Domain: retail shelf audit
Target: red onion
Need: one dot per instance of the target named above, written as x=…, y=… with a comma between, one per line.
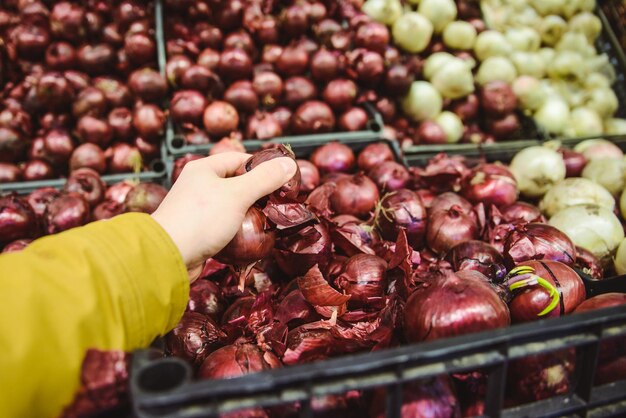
x=356, y=195
x=107, y=210
x=123, y=158
x=178, y=64
x=65, y=212
x=57, y=146
x=86, y=182
x=283, y=117
x=325, y=29
x=140, y=48
x=402, y=209
x=90, y=101
x=16, y=246
x=120, y=120
x=197, y=77
x=267, y=31
x=558, y=293
x=446, y=200
x=94, y=130
x=149, y=121
x=17, y=219
x=240, y=39
x=504, y=127
x=96, y=59
x=491, y=184
x=241, y=307
x=241, y=94
x=251, y=243
x=293, y=61
x=187, y=106
x=333, y=157
x=427, y=398
x=54, y=92
x=294, y=20
x=373, y=155
x=466, y=108
x=575, y=162
x=426, y=196
x=537, y=241
x=208, y=36
x=387, y=109
x=180, y=163
x=148, y=150
x=589, y=263
x=229, y=15
x=117, y=94
x=389, y=176
x=295, y=254
x=148, y=85
x=197, y=137
x=373, y=36
x=145, y=197
x=447, y=228
x=298, y=90
x=353, y=237
x=369, y=67
x=271, y=53
x=497, y=98
x=112, y=36
x=541, y=376
x=313, y=117
x=237, y=360
x=227, y=144
x=290, y=189
x=31, y=41
x=118, y=191
x=194, y=338
x=340, y=93
x=310, y=176
x=67, y=21
x=324, y=65
x=10, y=173
x=521, y=211
x=220, y=118
x=364, y=279
x=39, y=199
x=207, y=298
x=37, y=170
x=398, y=79
x=263, y=125
x=17, y=120
x=61, y=56
x=235, y=64
x=429, y=315
x=268, y=86
x=430, y=132
x=479, y=256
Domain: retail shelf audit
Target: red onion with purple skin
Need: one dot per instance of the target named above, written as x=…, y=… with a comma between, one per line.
x=122, y=158
x=355, y=195
x=575, y=162
x=541, y=376
x=207, y=298
x=537, y=241
x=398, y=79
x=268, y=86
x=297, y=253
x=310, y=176
x=504, y=127
x=118, y=191
x=199, y=78
x=148, y=84
x=87, y=183
x=17, y=219
x=227, y=144
x=271, y=53
x=325, y=65
x=530, y=301
x=333, y=157
x=466, y=108
x=121, y=122
x=37, y=170
x=313, y=117
x=39, y=199
x=374, y=155
x=364, y=279
x=340, y=93
x=251, y=243
x=140, y=48
x=90, y=101
x=373, y=36
x=94, y=130
x=282, y=115
x=387, y=109
x=16, y=246
x=447, y=228
x=589, y=264
x=402, y=209
x=178, y=64
x=220, y=118
x=389, y=176
x=196, y=137
x=60, y=56
x=369, y=67
x=107, y=210
x=187, y=106
x=145, y=197
x=57, y=146
x=96, y=59
x=237, y=360
x=10, y=173
x=149, y=121
x=263, y=126
x=294, y=20
x=209, y=36
x=293, y=61
x=521, y=211
x=241, y=94
x=54, y=92
x=65, y=212
x=116, y=93
x=491, y=184
x=180, y=163
x=235, y=64
x=445, y=201
x=430, y=132
x=31, y=41
x=298, y=90
x=497, y=98
x=479, y=256
x=289, y=190
x=67, y=21
x=353, y=119
x=194, y=338
x=239, y=39
x=429, y=315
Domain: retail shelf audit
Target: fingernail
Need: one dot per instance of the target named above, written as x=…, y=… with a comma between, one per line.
x=287, y=164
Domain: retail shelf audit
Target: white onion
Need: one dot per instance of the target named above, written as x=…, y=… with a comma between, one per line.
x=551, y=29
x=434, y=63
x=609, y=173
x=422, y=102
x=537, y=169
x=576, y=6
x=622, y=204
x=568, y=65
x=548, y=7
x=439, y=12
x=584, y=122
x=620, y=258
x=523, y=39
x=454, y=79
x=601, y=64
x=491, y=43
x=383, y=11
x=576, y=42
x=586, y=23
x=602, y=100
x=529, y=92
x=553, y=115
x=412, y=32
x=569, y=91
x=593, y=228
x=451, y=125
x=496, y=69
x=615, y=126
x=597, y=80
x=573, y=192
x=528, y=63
x=547, y=55
x=598, y=148
x=459, y=35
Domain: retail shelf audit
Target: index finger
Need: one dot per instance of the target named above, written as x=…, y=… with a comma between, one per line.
x=224, y=164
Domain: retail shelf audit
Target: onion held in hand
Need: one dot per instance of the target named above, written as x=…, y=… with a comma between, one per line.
x=356, y=195
x=251, y=243
x=289, y=190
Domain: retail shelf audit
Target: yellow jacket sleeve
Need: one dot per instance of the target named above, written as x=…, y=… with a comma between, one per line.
x=113, y=284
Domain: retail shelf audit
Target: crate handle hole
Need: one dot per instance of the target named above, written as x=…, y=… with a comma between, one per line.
x=158, y=166
x=164, y=375
x=178, y=142
x=374, y=126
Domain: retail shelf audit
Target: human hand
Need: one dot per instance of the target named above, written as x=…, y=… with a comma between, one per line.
x=205, y=207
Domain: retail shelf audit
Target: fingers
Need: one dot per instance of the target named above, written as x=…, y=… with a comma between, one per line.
x=224, y=164
x=264, y=179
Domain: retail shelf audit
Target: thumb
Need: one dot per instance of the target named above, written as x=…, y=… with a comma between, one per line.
x=265, y=178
